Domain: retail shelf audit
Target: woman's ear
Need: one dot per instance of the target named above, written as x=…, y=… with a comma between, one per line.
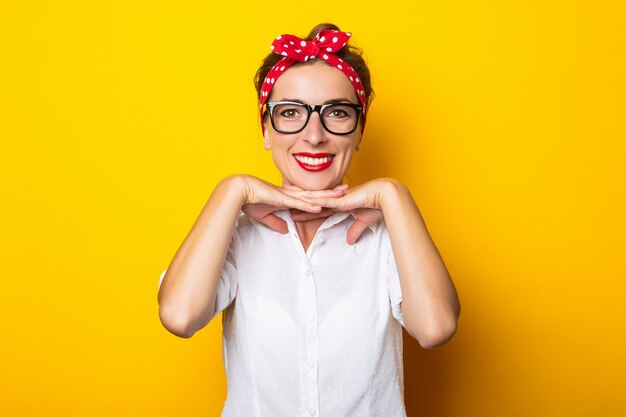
x=358, y=141
x=359, y=135
x=266, y=140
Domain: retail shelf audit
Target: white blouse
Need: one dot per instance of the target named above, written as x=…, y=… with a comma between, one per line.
x=315, y=333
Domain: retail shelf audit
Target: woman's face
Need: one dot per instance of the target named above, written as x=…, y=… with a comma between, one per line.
x=312, y=159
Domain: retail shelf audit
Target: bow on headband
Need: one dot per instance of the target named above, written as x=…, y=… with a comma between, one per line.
x=323, y=46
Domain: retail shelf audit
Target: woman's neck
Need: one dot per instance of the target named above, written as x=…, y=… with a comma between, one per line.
x=308, y=228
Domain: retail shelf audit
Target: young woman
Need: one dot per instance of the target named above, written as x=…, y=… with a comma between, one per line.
x=315, y=279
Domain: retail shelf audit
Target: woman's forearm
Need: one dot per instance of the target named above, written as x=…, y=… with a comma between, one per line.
x=187, y=294
x=430, y=305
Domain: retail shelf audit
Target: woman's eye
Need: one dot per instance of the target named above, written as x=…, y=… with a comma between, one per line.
x=338, y=114
x=290, y=113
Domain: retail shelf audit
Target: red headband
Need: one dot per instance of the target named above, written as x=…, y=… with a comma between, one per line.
x=294, y=49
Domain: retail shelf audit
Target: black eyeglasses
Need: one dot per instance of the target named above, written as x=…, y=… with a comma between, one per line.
x=292, y=117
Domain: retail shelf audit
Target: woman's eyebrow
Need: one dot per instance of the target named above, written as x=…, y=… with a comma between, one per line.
x=331, y=101
x=338, y=100
x=295, y=100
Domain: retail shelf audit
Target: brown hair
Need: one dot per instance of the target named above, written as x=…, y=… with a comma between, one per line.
x=349, y=53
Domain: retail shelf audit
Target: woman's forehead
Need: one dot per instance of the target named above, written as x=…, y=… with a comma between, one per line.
x=313, y=83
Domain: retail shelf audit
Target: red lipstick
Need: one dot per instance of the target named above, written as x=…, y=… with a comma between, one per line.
x=314, y=162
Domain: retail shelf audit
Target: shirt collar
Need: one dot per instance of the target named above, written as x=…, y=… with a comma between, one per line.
x=373, y=227
x=328, y=223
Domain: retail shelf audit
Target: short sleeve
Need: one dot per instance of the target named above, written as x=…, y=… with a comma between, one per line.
x=227, y=285
x=393, y=287
x=161, y=278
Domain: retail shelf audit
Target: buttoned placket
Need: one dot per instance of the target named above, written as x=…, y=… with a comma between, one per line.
x=309, y=338
x=309, y=342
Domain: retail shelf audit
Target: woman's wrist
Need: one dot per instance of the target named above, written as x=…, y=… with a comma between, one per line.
x=236, y=185
x=391, y=193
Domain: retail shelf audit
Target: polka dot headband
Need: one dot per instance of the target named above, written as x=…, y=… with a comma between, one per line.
x=323, y=46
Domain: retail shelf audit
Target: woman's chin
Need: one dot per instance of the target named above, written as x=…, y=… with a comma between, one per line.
x=312, y=184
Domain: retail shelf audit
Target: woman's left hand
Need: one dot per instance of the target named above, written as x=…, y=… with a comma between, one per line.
x=430, y=305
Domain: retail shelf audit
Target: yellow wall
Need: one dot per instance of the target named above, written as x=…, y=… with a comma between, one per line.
x=505, y=119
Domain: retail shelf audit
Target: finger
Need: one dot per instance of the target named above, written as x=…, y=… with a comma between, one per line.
x=271, y=195
x=308, y=195
x=355, y=231
x=291, y=187
x=275, y=223
x=338, y=204
x=287, y=201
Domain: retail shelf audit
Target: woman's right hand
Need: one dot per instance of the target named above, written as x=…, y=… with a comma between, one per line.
x=262, y=199
x=187, y=294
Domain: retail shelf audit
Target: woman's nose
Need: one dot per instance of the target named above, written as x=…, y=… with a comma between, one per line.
x=314, y=132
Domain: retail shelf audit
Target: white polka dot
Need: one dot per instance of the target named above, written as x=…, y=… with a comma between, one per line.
x=303, y=43
x=351, y=79
x=322, y=39
x=325, y=56
x=357, y=80
x=339, y=66
x=348, y=33
x=273, y=80
x=282, y=68
x=284, y=53
x=286, y=46
x=329, y=49
x=272, y=47
x=306, y=58
x=340, y=60
x=335, y=39
x=298, y=50
x=278, y=37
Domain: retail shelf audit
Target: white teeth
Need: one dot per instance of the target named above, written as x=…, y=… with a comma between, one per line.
x=313, y=161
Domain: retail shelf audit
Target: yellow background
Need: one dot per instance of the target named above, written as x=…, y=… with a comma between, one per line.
x=505, y=119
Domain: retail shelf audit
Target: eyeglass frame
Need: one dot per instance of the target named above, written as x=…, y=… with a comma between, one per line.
x=311, y=108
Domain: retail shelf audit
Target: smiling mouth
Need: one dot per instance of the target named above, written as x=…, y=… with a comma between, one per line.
x=314, y=162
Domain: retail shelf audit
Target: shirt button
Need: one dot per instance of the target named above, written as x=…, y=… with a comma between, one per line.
x=310, y=364
x=308, y=273
x=320, y=240
x=312, y=411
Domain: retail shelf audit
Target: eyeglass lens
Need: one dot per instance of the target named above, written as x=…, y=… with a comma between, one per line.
x=336, y=118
